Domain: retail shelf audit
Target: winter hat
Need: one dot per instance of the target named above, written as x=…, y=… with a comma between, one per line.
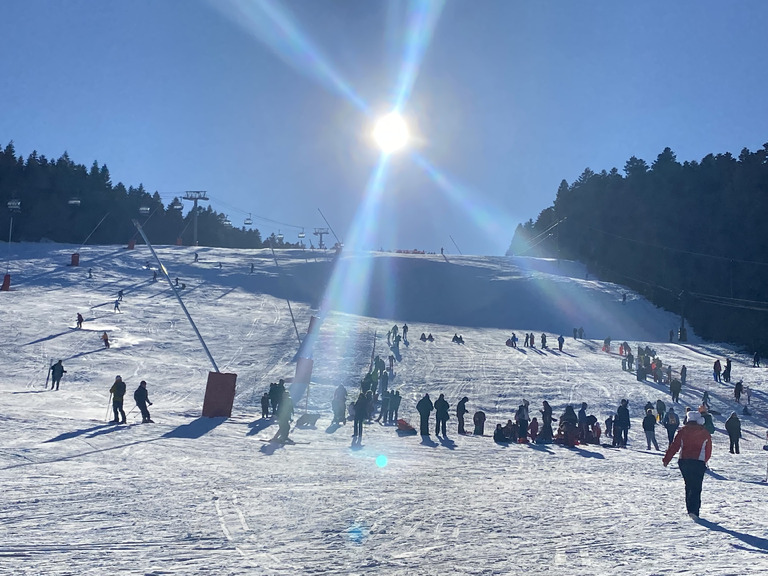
x=695, y=417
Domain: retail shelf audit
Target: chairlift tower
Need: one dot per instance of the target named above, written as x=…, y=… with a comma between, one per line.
x=195, y=195
x=321, y=232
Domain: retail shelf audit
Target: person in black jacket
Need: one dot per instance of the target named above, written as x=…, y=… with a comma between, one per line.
x=265, y=406
x=142, y=399
x=621, y=425
x=424, y=407
x=545, y=435
x=649, y=427
x=57, y=371
x=441, y=414
x=118, y=392
x=361, y=413
x=733, y=427
x=461, y=409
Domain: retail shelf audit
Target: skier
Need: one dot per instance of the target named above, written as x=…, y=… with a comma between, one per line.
x=716, y=370
x=733, y=427
x=284, y=414
x=57, y=371
x=424, y=407
x=479, y=420
x=695, y=445
x=79, y=320
x=671, y=422
x=756, y=360
x=461, y=409
x=265, y=406
x=118, y=392
x=441, y=414
x=649, y=426
x=737, y=390
x=361, y=411
x=119, y=295
x=560, y=342
x=141, y=396
x=117, y=306
x=105, y=339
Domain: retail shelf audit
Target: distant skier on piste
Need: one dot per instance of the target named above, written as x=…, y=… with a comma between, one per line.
x=141, y=396
x=79, y=320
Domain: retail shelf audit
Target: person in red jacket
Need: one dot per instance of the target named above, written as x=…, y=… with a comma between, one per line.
x=695, y=445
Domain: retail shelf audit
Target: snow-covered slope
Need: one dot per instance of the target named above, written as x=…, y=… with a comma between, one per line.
x=190, y=495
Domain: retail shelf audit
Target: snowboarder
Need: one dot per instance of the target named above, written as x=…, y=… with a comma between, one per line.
x=560, y=342
x=479, y=421
x=461, y=409
x=671, y=422
x=649, y=427
x=118, y=392
x=441, y=414
x=79, y=320
x=57, y=371
x=695, y=445
x=265, y=406
x=424, y=407
x=733, y=427
x=141, y=396
x=105, y=339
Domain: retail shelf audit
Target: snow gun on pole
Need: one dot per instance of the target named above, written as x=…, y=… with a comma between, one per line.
x=175, y=293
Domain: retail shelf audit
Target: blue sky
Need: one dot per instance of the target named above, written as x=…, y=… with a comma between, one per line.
x=268, y=105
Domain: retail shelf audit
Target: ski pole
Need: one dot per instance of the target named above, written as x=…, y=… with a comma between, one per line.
x=108, y=405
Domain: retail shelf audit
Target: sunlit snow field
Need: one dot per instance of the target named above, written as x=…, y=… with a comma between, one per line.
x=190, y=495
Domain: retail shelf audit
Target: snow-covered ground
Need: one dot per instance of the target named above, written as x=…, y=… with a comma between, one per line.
x=191, y=495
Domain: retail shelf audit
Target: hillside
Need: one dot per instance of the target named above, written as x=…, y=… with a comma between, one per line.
x=189, y=495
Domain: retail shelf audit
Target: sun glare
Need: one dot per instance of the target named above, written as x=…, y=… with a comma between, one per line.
x=391, y=133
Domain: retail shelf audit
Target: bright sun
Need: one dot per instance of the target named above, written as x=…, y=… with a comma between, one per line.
x=391, y=133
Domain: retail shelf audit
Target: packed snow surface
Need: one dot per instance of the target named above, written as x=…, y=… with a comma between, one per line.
x=190, y=495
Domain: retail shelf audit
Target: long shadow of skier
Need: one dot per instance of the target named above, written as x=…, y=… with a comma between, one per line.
x=76, y=433
x=756, y=541
x=586, y=453
x=84, y=354
x=259, y=425
x=51, y=337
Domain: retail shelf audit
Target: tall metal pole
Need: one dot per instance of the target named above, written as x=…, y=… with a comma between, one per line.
x=175, y=293
x=329, y=227
x=194, y=223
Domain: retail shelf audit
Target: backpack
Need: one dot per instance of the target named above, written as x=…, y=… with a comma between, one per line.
x=672, y=420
